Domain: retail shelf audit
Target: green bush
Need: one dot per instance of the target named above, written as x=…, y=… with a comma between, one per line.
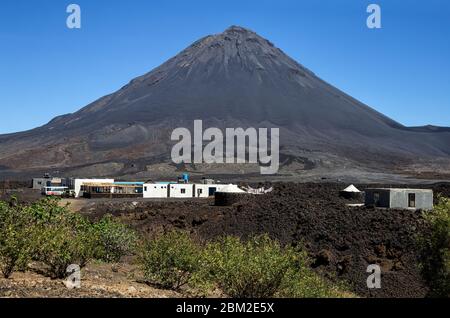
x=435, y=249
x=262, y=268
x=47, y=210
x=48, y=232
x=60, y=237
x=170, y=260
x=114, y=239
x=302, y=282
x=15, y=229
x=58, y=247
x=257, y=268
x=252, y=269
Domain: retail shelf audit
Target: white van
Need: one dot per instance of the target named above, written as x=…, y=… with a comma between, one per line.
x=54, y=191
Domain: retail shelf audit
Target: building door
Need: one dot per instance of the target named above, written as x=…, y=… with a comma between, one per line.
x=376, y=198
x=212, y=191
x=411, y=200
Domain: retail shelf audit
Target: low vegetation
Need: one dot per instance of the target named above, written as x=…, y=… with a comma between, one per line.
x=114, y=239
x=14, y=239
x=435, y=249
x=171, y=260
x=51, y=234
x=257, y=268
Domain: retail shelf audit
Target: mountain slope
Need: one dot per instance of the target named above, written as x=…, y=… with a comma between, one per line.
x=232, y=79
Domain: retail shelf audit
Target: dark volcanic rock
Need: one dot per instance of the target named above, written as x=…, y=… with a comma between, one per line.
x=341, y=241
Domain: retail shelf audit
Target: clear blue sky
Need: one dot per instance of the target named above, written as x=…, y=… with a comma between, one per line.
x=46, y=69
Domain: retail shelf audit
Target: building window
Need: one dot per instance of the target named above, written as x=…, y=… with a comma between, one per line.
x=411, y=200
x=145, y=188
x=183, y=191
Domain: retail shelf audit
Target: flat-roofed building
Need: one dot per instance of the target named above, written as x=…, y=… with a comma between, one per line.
x=156, y=190
x=395, y=198
x=76, y=184
x=182, y=190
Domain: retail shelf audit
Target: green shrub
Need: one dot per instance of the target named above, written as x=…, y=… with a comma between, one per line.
x=262, y=268
x=15, y=229
x=48, y=232
x=435, y=249
x=58, y=247
x=46, y=210
x=251, y=269
x=257, y=268
x=170, y=260
x=302, y=282
x=114, y=239
x=61, y=237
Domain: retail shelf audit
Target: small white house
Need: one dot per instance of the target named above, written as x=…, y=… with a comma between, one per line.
x=181, y=190
x=207, y=190
x=168, y=190
x=77, y=183
x=156, y=190
x=185, y=190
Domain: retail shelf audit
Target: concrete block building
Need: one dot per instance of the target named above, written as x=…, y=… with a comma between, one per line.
x=394, y=198
x=39, y=183
x=181, y=190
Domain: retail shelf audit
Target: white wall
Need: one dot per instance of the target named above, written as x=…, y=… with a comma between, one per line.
x=176, y=190
x=77, y=183
x=154, y=190
x=201, y=190
x=205, y=189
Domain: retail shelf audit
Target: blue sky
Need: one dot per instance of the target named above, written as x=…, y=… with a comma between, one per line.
x=46, y=69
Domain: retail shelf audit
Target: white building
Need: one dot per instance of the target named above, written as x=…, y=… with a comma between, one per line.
x=182, y=190
x=77, y=183
x=206, y=190
x=156, y=190
x=185, y=190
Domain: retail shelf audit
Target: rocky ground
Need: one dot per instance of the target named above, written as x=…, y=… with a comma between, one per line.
x=98, y=280
x=341, y=240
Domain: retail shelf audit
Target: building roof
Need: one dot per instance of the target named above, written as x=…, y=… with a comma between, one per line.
x=109, y=185
x=351, y=188
x=400, y=189
x=231, y=188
